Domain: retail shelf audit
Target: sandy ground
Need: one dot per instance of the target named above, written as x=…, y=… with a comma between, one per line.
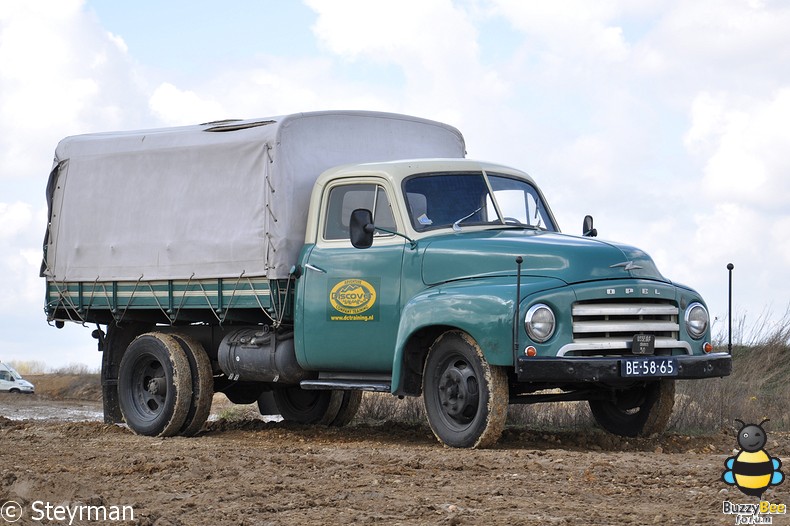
x=250, y=472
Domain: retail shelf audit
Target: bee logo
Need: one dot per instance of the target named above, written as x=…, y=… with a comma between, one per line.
x=752, y=469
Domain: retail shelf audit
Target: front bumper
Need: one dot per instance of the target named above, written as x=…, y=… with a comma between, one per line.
x=607, y=369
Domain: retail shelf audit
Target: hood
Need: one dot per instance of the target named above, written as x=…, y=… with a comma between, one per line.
x=568, y=258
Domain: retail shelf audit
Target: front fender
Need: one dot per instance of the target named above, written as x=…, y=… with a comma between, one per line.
x=483, y=308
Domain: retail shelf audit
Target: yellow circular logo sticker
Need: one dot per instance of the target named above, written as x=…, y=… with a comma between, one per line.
x=352, y=296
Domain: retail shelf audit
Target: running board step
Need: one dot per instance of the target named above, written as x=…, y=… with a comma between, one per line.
x=377, y=386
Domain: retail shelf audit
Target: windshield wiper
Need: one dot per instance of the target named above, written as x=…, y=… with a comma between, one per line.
x=457, y=224
x=520, y=226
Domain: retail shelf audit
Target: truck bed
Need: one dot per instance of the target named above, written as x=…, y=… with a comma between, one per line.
x=171, y=301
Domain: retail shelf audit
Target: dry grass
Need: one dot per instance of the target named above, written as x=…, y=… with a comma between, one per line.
x=37, y=367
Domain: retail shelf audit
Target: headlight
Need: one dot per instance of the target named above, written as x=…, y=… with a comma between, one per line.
x=696, y=320
x=539, y=322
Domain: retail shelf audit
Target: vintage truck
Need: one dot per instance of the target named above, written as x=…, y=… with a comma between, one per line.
x=301, y=260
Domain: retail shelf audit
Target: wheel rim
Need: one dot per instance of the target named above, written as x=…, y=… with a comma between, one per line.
x=308, y=407
x=628, y=403
x=458, y=392
x=149, y=387
x=302, y=400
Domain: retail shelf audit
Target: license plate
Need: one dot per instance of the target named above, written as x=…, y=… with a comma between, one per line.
x=649, y=367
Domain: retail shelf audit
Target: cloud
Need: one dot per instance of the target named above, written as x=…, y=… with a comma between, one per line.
x=729, y=45
x=21, y=232
x=433, y=43
x=559, y=32
x=744, y=144
x=175, y=107
x=61, y=73
x=413, y=33
x=14, y=218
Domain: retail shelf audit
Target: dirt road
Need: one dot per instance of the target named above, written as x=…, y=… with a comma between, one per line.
x=251, y=472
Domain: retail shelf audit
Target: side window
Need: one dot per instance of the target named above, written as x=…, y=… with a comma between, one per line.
x=344, y=199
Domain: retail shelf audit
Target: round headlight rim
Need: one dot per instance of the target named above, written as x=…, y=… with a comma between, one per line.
x=528, y=317
x=694, y=333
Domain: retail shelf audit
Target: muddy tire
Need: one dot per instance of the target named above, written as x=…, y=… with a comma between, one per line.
x=348, y=408
x=202, y=385
x=306, y=406
x=465, y=398
x=155, y=385
x=642, y=410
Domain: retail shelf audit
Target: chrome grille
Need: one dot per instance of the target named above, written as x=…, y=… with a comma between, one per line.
x=607, y=328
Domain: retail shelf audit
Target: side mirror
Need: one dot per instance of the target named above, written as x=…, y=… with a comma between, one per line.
x=587, y=227
x=361, y=228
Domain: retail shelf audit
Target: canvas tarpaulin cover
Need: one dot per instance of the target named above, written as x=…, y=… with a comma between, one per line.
x=217, y=200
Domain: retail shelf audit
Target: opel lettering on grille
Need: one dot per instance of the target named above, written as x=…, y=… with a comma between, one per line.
x=628, y=291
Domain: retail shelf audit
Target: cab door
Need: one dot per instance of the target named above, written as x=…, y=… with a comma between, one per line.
x=351, y=297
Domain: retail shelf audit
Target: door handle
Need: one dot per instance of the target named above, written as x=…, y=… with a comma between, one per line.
x=313, y=267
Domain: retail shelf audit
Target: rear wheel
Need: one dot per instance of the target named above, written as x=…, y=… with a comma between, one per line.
x=465, y=398
x=348, y=408
x=202, y=384
x=642, y=410
x=155, y=385
x=307, y=406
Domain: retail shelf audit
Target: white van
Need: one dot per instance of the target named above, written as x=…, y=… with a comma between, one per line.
x=12, y=382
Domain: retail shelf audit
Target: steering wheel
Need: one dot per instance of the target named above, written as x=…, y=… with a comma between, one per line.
x=512, y=221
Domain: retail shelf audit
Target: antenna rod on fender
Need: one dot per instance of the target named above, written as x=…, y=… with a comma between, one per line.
x=519, y=261
x=730, y=266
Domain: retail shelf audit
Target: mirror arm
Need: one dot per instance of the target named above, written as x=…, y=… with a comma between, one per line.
x=412, y=243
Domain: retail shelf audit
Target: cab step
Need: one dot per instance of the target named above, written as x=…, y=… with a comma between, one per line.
x=376, y=384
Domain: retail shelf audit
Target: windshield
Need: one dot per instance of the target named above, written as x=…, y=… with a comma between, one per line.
x=460, y=199
x=9, y=373
x=520, y=203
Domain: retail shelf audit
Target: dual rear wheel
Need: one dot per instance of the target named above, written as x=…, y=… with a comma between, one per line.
x=165, y=388
x=165, y=385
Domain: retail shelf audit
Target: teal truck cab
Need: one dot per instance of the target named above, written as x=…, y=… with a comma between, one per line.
x=302, y=260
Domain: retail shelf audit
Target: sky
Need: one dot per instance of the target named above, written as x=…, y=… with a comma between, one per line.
x=666, y=120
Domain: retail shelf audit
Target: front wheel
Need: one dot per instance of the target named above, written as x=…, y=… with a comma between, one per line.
x=642, y=410
x=465, y=397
